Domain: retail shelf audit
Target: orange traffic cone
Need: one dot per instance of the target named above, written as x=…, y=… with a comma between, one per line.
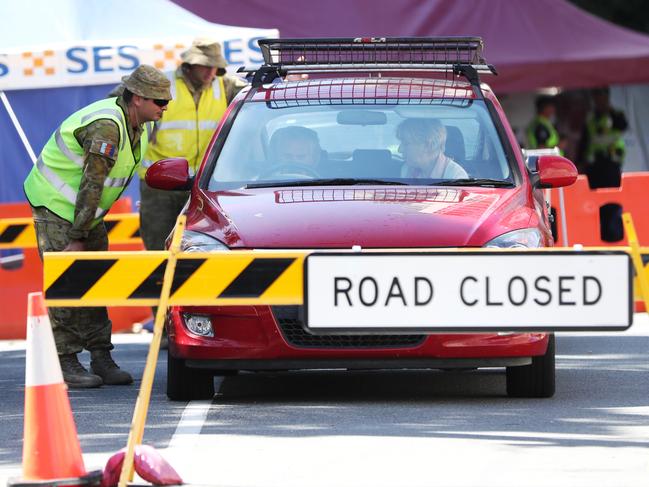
x=51, y=451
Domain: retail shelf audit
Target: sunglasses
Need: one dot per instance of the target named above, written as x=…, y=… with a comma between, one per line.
x=160, y=103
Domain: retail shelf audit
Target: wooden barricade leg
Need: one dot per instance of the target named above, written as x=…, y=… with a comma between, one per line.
x=142, y=404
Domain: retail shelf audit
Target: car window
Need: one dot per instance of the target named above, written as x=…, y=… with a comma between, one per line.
x=313, y=141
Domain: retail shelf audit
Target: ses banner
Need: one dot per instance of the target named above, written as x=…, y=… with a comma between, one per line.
x=90, y=63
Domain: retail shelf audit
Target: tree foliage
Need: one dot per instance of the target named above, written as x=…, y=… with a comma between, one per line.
x=633, y=14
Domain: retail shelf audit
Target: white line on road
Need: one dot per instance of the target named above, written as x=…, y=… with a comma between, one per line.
x=183, y=444
x=190, y=424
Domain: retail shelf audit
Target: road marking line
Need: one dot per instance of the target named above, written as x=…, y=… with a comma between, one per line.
x=190, y=424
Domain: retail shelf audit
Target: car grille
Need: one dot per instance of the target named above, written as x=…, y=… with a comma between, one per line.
x=290, y=321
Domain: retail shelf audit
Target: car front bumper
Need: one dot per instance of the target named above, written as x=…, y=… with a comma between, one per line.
x=261, y=338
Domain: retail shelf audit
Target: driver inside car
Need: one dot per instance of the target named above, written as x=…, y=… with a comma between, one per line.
x=422, y=144
x=295, y=150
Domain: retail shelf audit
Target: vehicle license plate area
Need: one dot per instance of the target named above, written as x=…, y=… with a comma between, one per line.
x=467, y=291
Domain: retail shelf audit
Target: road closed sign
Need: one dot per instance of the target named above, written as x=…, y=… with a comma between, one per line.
x=468, y=291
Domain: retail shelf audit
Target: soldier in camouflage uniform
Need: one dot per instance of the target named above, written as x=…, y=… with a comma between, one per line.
x=83, y=169
x=201, y=90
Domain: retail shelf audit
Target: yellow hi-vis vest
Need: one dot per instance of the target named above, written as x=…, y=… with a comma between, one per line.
x=185, y=129
x=553, y=138
x=605, y=141
x=54, y=180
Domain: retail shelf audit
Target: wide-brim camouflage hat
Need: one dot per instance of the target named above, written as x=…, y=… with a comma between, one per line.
x=205, y=52
x=148, y=82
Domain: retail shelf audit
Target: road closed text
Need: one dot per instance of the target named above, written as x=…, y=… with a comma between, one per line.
x=542, y=290
x=468, y=291
x=473, y=291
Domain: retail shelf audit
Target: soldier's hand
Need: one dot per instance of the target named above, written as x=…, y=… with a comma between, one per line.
x=74, y=246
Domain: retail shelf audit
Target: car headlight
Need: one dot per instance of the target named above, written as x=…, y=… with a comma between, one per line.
x=199, y=242
x=527, y=238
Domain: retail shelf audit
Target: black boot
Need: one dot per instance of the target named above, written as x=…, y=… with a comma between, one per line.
x=102, y=364
x=75, y=375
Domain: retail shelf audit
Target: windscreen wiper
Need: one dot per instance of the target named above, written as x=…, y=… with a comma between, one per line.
x=499, y=183
x=326, y=182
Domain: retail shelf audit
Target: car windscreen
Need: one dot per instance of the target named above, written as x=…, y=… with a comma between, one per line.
x=402, y=143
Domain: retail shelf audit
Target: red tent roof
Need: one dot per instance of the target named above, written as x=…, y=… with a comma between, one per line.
x=532, y=44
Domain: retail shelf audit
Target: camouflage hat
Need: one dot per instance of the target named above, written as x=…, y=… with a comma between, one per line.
x=148, y=82
x=205, y=52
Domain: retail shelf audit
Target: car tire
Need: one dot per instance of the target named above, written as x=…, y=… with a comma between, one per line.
x=185, y=384
x=536, y=379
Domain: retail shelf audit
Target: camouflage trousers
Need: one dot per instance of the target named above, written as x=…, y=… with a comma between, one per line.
x=159, y=210
x=74, y=328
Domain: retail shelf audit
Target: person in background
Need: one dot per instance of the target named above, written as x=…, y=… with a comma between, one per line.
x=422, y=144
x=201, y=92
x=541, y=133
x=602, y=145
x=83, y=169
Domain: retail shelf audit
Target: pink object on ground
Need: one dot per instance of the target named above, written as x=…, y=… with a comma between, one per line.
x=149, y=465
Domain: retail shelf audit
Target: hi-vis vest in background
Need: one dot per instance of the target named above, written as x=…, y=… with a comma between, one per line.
x=606, y=142
x=55, y=178
x=553, y=138
x=185, y=129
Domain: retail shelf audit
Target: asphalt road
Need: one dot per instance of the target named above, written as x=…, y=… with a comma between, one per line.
x=377, y=428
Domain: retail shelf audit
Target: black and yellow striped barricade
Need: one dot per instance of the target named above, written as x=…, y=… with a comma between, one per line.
x=599, y=277
x=19, y=233
x=135, y=278
x=423, y=291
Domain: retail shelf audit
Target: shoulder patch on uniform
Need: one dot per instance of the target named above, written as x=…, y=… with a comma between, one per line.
x=103, y=148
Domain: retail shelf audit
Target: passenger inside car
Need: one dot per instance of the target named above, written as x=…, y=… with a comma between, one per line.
x=422, y=144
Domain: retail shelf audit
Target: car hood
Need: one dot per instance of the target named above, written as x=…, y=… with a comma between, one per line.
x=372, y=217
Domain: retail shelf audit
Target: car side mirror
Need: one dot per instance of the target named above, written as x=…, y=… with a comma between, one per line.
x=551, y=171
x=169, y=174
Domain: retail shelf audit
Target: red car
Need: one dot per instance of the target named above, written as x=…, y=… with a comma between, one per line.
x=376, y=143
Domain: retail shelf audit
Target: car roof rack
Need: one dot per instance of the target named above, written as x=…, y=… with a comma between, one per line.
x=459, y=55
